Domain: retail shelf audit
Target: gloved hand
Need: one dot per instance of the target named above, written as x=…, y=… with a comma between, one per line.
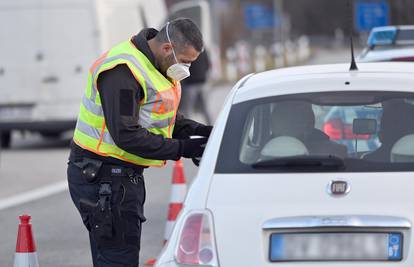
x=192, y=148
x=204, y=130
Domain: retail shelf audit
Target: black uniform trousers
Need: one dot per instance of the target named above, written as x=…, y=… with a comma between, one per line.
x=115, y=226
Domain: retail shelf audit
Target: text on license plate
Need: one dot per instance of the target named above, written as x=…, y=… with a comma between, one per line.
x=336, y=247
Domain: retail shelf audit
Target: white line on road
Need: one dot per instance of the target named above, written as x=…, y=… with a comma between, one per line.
x=32, y=195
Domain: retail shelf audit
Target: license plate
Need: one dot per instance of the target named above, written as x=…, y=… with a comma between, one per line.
x=336, y=247
x=15, y=113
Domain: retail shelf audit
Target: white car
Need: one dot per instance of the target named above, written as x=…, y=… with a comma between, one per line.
x=273, y=190
x=389, y=43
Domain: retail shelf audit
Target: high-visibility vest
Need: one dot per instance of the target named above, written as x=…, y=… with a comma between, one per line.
x=157, y=110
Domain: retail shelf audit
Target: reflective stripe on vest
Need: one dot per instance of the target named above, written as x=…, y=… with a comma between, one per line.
x=157, y=109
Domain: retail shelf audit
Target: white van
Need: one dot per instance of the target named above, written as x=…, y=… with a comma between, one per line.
x=46, y=50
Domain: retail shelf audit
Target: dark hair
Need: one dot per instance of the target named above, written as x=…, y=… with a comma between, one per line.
x=183, y=32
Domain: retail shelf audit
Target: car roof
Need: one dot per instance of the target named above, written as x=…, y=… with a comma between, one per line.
x=384, y=75
x=387, y=54
x=379, y=67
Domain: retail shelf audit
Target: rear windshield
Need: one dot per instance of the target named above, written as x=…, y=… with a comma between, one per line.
x=405, y=36
x=320, y=132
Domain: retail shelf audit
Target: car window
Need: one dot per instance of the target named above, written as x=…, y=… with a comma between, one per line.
x=339, y=126
x=366, y=131
x=256, y=131
x=405, y=36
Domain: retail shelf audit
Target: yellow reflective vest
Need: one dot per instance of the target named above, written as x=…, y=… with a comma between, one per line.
x=158, y=108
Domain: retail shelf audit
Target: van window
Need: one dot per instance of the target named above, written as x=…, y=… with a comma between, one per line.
x=193, y=13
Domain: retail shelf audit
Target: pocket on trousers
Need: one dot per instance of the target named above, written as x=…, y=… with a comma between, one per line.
x=101, y=225
x=132, y=227
x=133, y=198
x=103, y=230
x=133, y=195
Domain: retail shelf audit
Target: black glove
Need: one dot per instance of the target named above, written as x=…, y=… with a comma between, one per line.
x=204, y=130
x=192, y=148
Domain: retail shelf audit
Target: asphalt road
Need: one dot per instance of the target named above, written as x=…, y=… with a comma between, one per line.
x=34, y=163
x=60, y=236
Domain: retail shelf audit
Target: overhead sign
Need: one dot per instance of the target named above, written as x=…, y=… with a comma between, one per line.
x=257, y=16
x=370, y=14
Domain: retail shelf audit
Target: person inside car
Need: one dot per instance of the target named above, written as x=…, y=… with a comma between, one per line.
x=396, y=122
x=297, y=119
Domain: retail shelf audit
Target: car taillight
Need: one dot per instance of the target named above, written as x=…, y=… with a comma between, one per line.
x=334, y=129
x=350, y=135
x=337, y=130
x=196, y=242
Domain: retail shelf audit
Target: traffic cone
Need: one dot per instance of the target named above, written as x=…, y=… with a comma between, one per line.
x=151, y=262
x=25, y=246
x=178, y=193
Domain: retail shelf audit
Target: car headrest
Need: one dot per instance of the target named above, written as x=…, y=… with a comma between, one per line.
x=292, y=118
x=403, y=149
x=283, y=146
x=396, y=121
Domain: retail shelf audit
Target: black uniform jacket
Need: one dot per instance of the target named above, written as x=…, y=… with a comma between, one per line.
x=120, y=96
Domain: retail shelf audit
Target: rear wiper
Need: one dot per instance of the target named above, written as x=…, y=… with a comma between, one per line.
x=325, y=162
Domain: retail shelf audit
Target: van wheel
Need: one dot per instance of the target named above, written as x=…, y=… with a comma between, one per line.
x=5, y=139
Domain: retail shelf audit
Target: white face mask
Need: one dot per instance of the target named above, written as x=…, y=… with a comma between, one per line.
x=177, y=71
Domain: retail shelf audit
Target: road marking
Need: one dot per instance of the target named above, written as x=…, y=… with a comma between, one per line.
x=32, y=195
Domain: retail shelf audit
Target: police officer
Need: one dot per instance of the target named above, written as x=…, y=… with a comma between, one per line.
x=127, y=122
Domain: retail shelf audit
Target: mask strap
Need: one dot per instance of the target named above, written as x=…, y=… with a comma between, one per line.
x=169, y=40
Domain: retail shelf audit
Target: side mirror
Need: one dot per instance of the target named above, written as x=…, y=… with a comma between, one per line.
x=364, y=126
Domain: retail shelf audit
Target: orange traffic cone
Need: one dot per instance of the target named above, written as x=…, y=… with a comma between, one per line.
x=25, y=246
x=178, y=193
x=151, y=262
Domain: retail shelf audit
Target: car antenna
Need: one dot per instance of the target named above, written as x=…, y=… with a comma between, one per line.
x=353, y=63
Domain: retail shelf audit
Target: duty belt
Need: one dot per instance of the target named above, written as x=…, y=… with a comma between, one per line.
x=116, y=170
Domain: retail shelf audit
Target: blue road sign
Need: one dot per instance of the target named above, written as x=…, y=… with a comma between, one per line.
x=371, y=14
x=257, y=16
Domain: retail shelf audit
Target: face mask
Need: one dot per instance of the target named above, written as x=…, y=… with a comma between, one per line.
x=177, y=71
